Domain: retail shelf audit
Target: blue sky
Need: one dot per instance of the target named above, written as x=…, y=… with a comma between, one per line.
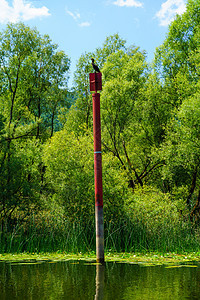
x=79, y=26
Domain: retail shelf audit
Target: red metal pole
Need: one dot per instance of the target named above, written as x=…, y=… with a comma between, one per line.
x=98, y=178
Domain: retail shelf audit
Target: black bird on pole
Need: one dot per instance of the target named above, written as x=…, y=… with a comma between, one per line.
x=95, y=67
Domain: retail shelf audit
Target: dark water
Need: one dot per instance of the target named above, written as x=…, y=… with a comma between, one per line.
x=85, y=281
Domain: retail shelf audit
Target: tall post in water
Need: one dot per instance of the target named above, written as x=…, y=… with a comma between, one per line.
x=95, y=85
x=98, y=179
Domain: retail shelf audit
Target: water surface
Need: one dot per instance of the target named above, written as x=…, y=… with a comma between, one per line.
x=79, y=280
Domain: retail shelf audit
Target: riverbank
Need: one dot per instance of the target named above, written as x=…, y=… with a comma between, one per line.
x=148, y=258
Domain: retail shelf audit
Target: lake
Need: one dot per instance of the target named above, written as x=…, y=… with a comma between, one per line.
x=81, y=280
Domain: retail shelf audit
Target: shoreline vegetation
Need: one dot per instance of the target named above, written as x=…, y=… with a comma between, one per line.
x=134, y=258
x=159, y=230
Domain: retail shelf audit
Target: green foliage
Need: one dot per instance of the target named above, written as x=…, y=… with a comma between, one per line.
x=161, y=219
x=32, y=69
x=154, y=210
x=181, y=149
x=128, y=132
x=69, y=162
x=150, y=143
x=33, y=86
x=181, y=43
x=177, y=59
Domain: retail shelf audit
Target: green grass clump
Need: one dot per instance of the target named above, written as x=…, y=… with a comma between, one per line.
x=125, y=235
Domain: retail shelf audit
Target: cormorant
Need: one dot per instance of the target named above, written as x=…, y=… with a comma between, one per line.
x=95, y=67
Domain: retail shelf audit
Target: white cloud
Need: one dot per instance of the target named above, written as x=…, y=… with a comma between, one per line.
x=128, y=3
x=169, y=9
x=84, y=24
x=76, y=16
x=20, y=11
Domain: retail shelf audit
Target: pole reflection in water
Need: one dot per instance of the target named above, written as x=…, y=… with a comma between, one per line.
x=99, y=281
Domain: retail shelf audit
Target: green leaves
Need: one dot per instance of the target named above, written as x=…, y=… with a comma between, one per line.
x=176, y=53
x=69, y=162
x=33, y=86
x=150, y=126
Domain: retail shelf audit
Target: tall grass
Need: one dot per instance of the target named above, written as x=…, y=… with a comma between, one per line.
x=131, y=236
x=29, y=237
x=79, y=236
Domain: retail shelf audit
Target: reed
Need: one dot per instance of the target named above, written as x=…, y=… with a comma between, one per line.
x=121, y=235
x=129, y=236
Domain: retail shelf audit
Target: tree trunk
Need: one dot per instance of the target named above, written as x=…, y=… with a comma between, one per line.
x=195, y=213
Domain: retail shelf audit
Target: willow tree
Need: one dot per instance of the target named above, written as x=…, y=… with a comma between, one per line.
x=126, y=126
x=177, y=62
x=33, y=85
